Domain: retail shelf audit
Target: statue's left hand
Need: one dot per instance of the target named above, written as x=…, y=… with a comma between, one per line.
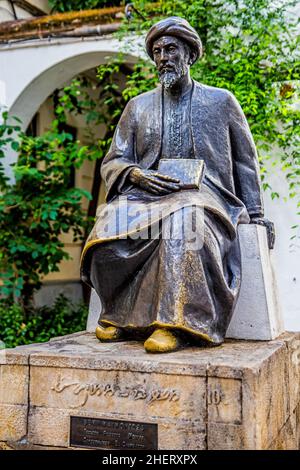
x=269, y=226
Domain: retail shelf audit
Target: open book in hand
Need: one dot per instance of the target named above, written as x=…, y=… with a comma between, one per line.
x=190, y=172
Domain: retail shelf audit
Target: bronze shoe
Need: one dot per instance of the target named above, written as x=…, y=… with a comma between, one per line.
x=109, y=333
x=162, y=341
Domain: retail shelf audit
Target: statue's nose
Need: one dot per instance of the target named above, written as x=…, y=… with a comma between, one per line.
x=163, y=56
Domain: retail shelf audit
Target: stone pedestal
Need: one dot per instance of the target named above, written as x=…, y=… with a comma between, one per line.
x=241, y=395
x=257, y=314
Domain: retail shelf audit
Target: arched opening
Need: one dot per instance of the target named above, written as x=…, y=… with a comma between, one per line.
x=33, y=71
x=31, y=98
x=34, y=98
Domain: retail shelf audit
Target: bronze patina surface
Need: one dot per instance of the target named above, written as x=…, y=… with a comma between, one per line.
x=149, y=284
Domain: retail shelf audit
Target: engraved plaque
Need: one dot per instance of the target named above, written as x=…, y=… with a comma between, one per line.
x=112, y=434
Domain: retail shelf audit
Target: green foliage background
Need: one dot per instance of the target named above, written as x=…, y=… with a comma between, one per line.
x=77, y=5
x=41, y=324
x=37, y=208
x=251, y=48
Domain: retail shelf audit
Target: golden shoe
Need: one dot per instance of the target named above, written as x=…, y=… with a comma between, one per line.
x=109, y=333
x=162, y=341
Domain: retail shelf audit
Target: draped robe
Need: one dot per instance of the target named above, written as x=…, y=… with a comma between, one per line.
x=147, y=281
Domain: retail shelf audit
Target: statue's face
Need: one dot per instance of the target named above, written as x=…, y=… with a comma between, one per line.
x=171, y=57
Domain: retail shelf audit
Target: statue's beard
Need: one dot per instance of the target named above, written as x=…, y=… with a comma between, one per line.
x=170, y=78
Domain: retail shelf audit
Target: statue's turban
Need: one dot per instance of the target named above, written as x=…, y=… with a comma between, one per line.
x=178, y=27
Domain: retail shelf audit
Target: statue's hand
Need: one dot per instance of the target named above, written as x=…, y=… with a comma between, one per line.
x=269, y=226
x=154, y=182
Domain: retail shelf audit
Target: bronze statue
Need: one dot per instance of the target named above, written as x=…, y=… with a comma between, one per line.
x=157, y=288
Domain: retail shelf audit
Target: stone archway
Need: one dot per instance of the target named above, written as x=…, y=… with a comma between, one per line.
x=32, y=71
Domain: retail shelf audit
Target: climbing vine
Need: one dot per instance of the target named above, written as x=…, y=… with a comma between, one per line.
x=251, y=48
x=77, y=5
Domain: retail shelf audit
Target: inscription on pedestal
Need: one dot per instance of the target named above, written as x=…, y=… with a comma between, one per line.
x=83, y=391
x=112, y=434
x=224, y=400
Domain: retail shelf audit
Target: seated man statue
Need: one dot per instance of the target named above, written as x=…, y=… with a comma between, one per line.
x=157, y=288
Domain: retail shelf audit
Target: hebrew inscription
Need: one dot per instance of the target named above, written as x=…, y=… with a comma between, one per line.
x=86, y=390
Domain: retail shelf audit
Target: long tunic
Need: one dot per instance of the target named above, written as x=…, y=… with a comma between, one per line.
x=165, y=281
